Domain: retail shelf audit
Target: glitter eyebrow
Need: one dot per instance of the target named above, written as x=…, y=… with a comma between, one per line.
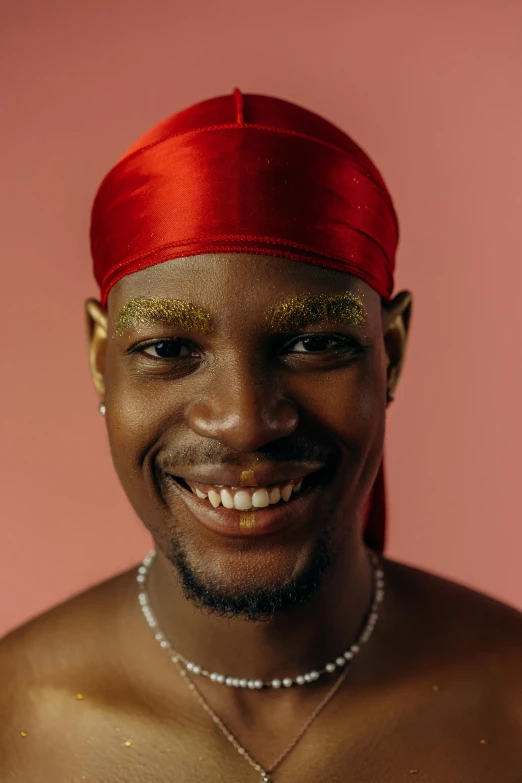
x=299, y=312
x=151, y=310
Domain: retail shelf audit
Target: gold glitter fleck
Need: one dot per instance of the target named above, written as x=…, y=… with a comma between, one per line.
x=23, y=734
x=248, y=478
x=247, y=520
x=300, y=312
x=413, y=771
x=143, y=310
x=436, y=688
x=483, y=742
x=79, y=696
x=128, y=744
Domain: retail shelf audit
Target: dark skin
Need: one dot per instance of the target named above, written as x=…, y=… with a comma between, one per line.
x=238, y=394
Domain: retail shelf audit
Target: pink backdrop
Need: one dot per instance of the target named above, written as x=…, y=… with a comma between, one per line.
x=431, y=90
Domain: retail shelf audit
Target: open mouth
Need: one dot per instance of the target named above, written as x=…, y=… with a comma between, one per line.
x=251, y=510
x=246, y=498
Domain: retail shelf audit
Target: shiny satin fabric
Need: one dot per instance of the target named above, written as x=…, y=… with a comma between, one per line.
x=251, y=174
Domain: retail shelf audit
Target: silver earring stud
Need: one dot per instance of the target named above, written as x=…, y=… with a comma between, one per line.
x=102, y=409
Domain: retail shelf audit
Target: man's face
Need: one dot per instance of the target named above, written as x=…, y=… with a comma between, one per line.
x=246, y=374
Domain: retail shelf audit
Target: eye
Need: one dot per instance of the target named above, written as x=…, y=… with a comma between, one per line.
x=168, y=349
x=318, y=343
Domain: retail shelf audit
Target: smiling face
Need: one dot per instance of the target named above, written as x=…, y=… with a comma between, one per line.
x=246, y=401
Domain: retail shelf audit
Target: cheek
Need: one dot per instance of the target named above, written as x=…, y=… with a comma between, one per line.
x=127, y=423
x=135, y=427
x=350, y=402
x=135, y=416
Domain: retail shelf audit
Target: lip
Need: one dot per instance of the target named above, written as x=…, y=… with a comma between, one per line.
x=265, y=475
x=252, y=523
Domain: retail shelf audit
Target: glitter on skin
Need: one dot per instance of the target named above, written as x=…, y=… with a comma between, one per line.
x=247, y=520
x=79, y=696
x=247, y=479
x=128, y=744
x=483, y=742
x=300, y=312
x=146, y=310
x=23, y=734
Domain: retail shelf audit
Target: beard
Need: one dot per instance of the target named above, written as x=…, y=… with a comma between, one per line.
x=257, y=603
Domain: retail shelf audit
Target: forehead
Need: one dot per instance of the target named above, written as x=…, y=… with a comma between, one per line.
x=232, y=281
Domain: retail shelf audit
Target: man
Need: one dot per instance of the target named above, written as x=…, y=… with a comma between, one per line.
x=244, y=350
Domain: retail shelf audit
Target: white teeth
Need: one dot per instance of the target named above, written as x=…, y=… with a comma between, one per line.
x=227, y=498
x=286, y=492
x=260, y=498
x=274, y=495
x=214, y=497
x=242, y=500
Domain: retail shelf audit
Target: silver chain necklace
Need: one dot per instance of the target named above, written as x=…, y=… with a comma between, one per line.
x=186, y=668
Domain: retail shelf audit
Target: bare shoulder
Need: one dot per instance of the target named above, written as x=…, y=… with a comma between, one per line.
x=71, y=629
x=456, y=611
x=462, y=634
x=48, y=660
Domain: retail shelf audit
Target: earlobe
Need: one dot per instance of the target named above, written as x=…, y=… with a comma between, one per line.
x=97, y=341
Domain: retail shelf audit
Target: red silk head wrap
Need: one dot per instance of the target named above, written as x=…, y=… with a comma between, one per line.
x=248, y=174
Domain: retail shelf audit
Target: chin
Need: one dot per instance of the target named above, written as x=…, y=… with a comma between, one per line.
x=249, y=584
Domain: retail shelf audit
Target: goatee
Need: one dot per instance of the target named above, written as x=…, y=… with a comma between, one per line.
x=258, y=603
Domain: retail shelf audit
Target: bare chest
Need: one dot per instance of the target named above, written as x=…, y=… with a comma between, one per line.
x=385, y=745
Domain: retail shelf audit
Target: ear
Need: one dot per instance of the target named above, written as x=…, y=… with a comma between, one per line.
x=97, y=339
x=396, y=316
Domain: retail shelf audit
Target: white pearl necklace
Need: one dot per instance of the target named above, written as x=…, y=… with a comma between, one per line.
x=286, y=682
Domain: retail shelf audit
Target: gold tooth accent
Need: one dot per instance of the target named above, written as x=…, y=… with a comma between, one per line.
x=248, y=476
x=247, y=520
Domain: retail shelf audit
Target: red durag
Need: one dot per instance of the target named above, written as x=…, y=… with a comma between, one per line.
x=249, y=174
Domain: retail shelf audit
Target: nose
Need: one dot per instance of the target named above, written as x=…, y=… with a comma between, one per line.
x=244, y=409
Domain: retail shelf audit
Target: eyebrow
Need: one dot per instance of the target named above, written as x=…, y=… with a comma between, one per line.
x=299, y=312
x=152, y=310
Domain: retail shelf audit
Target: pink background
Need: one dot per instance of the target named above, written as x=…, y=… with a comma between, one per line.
x=431, y=90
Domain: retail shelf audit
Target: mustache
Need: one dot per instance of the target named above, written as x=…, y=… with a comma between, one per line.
x=296, y=449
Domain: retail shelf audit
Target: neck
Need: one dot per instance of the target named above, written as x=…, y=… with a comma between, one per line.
x=290, y=642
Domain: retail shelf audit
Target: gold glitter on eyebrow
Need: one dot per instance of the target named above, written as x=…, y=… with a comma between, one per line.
x=145, y=310
x=298, y=312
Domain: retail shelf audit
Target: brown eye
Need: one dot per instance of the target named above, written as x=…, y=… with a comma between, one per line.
x=168, y=349
x=315, y=343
